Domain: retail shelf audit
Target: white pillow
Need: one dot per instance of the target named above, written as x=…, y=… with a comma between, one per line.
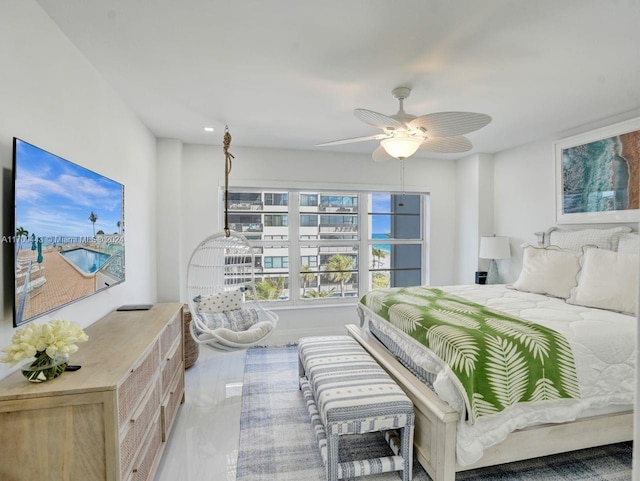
x=608, y=280
x=550, y=271
x=253, y=334
x=629, y=243
x=224, y=301
x=576, y=239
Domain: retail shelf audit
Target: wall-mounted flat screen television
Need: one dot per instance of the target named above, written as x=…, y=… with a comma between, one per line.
x=69, y=232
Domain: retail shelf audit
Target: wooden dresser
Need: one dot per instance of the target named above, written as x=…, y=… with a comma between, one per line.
x=110, y=419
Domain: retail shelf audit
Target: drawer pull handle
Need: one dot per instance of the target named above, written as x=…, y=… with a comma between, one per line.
x=132, y=421
x=135, y=470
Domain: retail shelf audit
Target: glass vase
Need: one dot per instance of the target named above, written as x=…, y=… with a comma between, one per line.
x=43, y=368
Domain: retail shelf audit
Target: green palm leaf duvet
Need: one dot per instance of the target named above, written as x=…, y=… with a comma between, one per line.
x=498, y=360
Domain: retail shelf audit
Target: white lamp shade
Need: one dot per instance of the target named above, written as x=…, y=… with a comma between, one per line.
x=495, y=247
x=401, y=147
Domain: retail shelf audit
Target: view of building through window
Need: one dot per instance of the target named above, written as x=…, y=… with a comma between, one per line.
x=337, y=245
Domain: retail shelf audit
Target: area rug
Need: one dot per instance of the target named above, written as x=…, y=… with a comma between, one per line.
x=277, y=443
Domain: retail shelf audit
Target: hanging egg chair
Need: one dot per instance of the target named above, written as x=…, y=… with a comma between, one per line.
x=225, y=311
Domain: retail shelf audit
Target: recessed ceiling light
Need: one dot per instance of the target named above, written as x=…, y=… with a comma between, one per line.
x=208, y=129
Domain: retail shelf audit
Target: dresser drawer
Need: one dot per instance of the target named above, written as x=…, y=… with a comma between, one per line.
x=144, y=466
x=170, y=333
x=172, y=363
x=171, y=403
x=136, y=384
x=137, y=429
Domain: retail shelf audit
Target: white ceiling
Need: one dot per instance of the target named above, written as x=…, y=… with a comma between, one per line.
x=288, y=73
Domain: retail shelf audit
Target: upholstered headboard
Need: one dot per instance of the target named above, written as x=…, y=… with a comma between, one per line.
x=614, y=239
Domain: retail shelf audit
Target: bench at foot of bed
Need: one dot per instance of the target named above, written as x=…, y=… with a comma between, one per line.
x=347, y=392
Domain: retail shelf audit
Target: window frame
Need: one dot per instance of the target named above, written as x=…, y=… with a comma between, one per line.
x=363, y=242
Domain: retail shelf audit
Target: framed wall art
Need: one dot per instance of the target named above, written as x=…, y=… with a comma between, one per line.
x=598, y=175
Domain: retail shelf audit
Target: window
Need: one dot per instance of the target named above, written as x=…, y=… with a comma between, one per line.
x=323, y=247
x=395, y=218
x=308, y=199
x=309, y=261
x=274, y=220
x=244, y=200
x=307, y=220
x=271, y=262
x=276, y=198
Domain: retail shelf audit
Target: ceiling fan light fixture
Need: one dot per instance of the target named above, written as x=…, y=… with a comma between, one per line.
x=404, y=133
x=401, y=147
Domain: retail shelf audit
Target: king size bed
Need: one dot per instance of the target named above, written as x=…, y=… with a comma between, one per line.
x=553, y=369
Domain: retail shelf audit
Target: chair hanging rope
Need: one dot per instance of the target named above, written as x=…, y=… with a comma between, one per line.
x=228, y=156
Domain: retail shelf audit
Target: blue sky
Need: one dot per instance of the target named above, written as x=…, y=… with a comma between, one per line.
x=381, y=224
x=55, y=197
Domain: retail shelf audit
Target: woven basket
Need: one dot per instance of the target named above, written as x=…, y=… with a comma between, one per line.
x=191, y=347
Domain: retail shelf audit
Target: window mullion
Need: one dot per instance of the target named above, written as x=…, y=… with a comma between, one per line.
x=294, y=247
x=363, y=247
x=425, y=232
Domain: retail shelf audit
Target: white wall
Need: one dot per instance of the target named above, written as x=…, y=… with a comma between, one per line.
x=474, y=214
x=523, y=198
x=52, y=97
x=203, y=171
x=169, y=238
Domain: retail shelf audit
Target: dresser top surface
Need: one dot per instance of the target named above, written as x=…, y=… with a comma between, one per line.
x=117, y=343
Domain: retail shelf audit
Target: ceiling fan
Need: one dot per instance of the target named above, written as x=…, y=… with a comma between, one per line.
x=403, y=133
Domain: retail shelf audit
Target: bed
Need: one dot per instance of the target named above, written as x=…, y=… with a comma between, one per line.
x=580, y=284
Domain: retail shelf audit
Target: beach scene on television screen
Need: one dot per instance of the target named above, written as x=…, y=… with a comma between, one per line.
x=69, y=235
x=603, y=175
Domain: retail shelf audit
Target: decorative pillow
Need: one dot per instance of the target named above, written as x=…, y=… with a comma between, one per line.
x=550, y=271
x=224, y=301
x=575, y=240
x=629, y=243
x=608, y=280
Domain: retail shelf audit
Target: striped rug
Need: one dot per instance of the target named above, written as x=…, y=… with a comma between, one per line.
x=277, y=443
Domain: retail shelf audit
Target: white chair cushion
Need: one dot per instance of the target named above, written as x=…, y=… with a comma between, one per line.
x=253, y=334
x=236, y=320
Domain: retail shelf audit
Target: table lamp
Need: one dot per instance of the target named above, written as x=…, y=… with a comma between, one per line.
x=493, y=248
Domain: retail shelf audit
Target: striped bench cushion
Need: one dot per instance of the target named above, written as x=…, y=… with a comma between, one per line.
x=353, y=393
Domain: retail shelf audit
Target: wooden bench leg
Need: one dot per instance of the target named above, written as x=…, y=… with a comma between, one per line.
x=332, y=457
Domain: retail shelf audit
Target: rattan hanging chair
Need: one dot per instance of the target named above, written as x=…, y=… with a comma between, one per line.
x=225, y=311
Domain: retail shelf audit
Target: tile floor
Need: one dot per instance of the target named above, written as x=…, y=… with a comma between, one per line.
x=204, y=442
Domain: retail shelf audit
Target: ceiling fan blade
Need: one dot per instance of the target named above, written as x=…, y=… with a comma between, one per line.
x=378, y=120
x=447, y=145
x=449, y=124
x=380, y=155
x=354, y=139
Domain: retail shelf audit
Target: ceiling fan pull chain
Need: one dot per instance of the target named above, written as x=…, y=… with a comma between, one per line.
x=227, y=170
x=402, y=181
